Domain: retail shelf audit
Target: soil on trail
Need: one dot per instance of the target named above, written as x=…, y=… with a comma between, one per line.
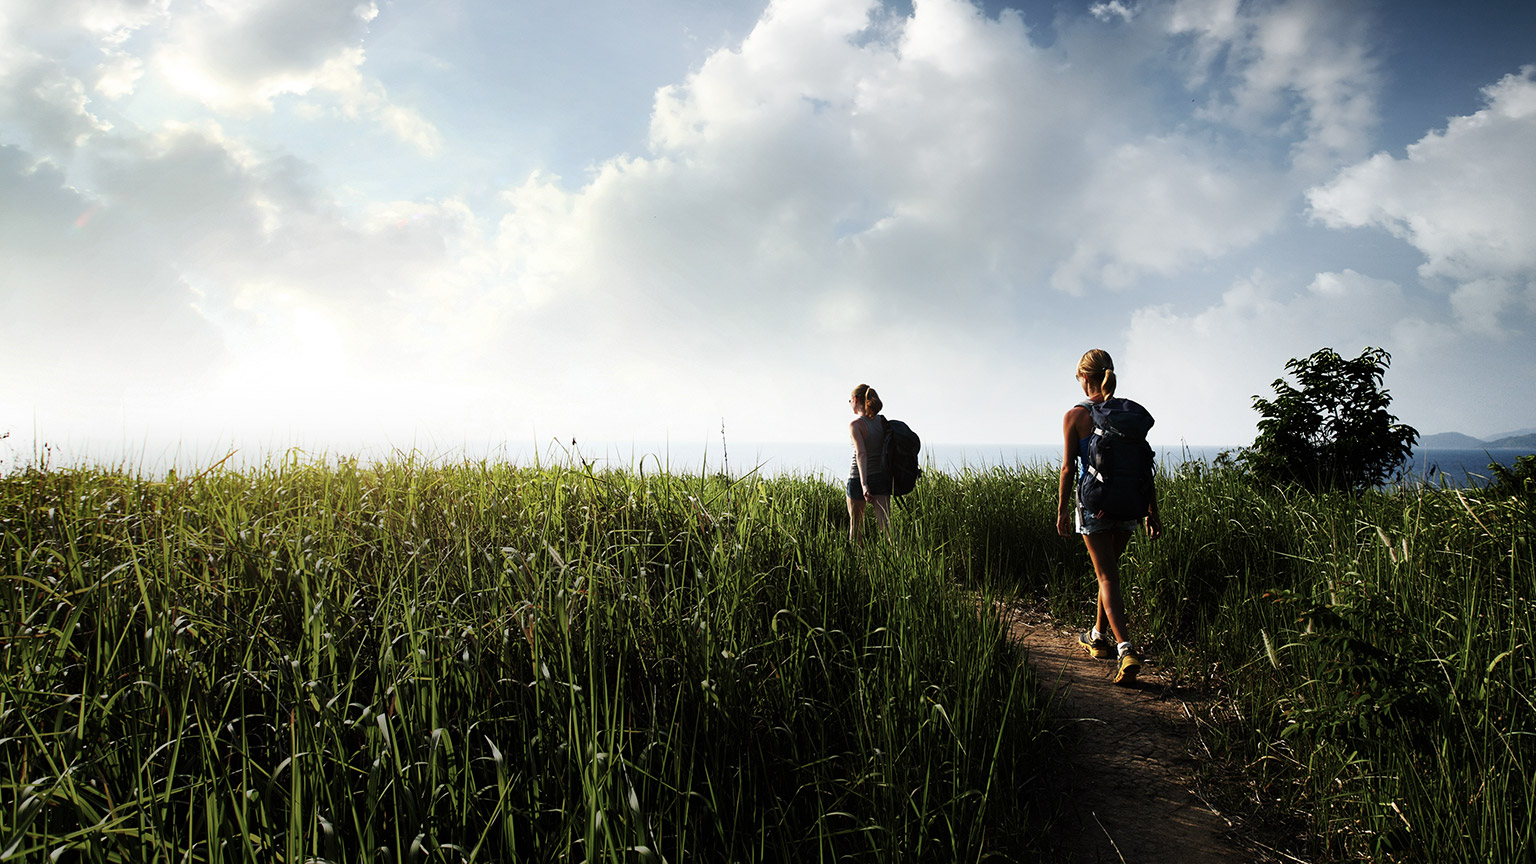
x=1128, y=791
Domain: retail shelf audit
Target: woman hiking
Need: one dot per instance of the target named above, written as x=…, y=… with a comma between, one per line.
x=867, y=481
x=1106, y=538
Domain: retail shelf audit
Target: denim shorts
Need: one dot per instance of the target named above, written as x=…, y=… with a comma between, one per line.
x=879, y=484
x=1087, y=523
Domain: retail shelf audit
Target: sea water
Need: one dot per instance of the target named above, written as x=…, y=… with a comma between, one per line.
x=829, y=459
x=1460, y=467
x=1435, y=467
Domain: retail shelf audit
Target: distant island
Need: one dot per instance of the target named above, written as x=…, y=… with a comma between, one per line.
x=1523, y=439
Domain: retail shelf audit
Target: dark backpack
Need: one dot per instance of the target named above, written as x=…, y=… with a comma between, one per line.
x=898, y=455
x=1117, y=461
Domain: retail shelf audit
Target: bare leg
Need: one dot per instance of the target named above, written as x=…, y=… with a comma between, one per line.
x=882, y=508
x=1104, y=550
x=855, y=520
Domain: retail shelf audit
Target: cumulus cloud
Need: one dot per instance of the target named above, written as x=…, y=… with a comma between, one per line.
x=46, y=108
x=199, y=271
x=105, y=21
x=1112, y=10
x=952, y=151
x=931, y=179
x=233, y=58
x=1461, y=196
x=942, y=205
x=240, y=55
x=118, y=75
x=272, y=259
x=1161, y=205
x=1301, y=72
x=1203, y=368
x=46, y=94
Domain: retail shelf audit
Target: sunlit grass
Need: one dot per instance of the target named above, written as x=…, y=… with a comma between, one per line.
x=412, y=661
x=478, y=662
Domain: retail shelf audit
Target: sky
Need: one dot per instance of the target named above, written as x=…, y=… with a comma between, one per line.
x=354, y=224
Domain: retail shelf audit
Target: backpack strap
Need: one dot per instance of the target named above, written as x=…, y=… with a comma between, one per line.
x=1089, y=405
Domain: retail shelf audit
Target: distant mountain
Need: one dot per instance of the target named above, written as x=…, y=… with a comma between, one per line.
x=1522, y=440
x=1451, y=441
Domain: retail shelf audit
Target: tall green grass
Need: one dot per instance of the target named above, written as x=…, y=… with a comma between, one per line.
x=419, y=662
x=477, y=662
x=1373, y=656
x=1378, y=651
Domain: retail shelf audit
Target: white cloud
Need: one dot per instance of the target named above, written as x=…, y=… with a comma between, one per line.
x=195, y=245
x=64, y=119
x=1215, y=23
x=45, y=103
x=240, y=55
x=941, y=206
x=1112, y=10
x=955, y=152
x=833, y=174
x=1461, y=198
x=1161, y=205
x=1464, y=197
x=41, y=104
x=118, y=75
x=234, y=57
x=828, y=177
x=1301, y=71
x=107, y=22
x=1202, y=369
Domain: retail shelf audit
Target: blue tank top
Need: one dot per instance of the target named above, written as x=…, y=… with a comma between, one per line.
x=1082, y=443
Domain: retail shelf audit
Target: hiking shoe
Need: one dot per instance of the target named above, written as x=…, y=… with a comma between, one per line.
x=1101, y=648
x=1130, y=664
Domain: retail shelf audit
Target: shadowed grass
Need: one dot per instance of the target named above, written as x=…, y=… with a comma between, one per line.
x=1372, y=655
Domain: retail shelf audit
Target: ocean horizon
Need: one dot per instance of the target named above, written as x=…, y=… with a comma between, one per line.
x=1453, y=466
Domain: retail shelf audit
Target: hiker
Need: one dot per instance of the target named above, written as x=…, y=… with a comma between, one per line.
x=1105, y=537
x=867, y=482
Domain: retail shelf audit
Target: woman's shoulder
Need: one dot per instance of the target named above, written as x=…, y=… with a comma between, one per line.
x=1078, y=418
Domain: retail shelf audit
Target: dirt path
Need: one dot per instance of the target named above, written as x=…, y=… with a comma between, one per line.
x=1128, y=794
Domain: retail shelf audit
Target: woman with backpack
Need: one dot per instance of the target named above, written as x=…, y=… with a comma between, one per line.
x=867, y=482
x=1105, y=537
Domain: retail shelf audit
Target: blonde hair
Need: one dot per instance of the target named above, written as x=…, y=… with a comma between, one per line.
x=1098, y=369
x=866, y=396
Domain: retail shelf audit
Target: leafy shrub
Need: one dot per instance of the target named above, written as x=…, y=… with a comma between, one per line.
x=1334, y=430
x=1517, y=480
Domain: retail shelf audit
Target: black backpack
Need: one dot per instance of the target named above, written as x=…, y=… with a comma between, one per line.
x=1117, y=461
x=898, y=455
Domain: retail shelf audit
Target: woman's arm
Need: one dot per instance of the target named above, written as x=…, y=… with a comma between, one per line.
x=861, y=454
x=1068, y=461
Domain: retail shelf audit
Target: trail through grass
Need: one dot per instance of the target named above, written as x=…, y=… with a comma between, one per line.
x=413, y=661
